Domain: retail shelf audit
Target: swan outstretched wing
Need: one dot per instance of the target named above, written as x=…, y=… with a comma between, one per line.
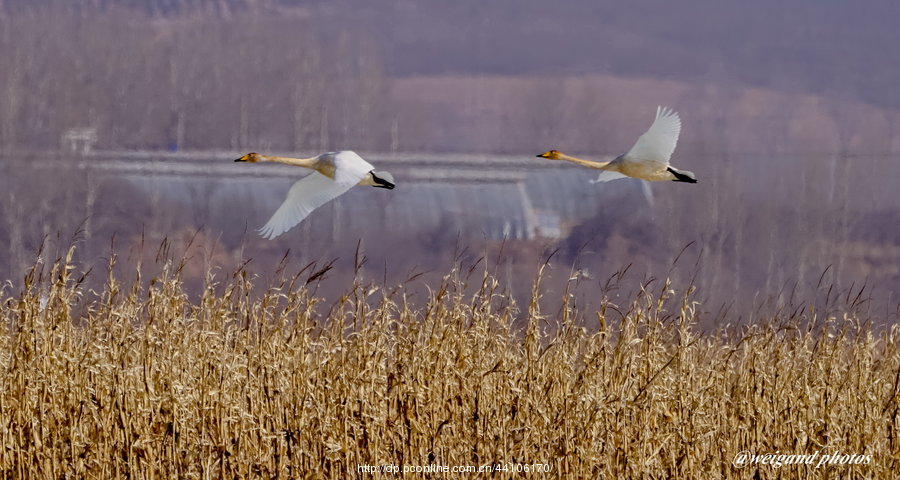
x=350, y=168
x=648, y=193
x=306, y=195
x=608, y=175
x=658, y=142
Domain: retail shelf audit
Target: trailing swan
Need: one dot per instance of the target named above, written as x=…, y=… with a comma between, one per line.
x=648, y=159
x=334, y=173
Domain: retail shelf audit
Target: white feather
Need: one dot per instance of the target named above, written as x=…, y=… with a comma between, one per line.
x=350, y=168
x=658, y=142
x=648, y=193
x=608, y=175
x=306, y=195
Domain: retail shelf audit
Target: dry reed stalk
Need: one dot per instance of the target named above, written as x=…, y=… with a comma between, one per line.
x=142, y=382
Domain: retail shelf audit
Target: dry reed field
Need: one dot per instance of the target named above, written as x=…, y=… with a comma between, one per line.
x=139, y=379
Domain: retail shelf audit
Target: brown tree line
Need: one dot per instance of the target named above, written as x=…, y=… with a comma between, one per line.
x=195, y=82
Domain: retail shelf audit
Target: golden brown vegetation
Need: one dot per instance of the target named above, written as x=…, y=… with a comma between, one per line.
x=146, y=382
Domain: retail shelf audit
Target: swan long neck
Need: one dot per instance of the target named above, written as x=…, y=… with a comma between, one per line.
x=299, y=162
x=583, y=162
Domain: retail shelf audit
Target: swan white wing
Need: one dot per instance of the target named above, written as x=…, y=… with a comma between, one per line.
x=306, y=195
x=648, y=193
x=658, y=142
x=607, y=175
x=350, y=168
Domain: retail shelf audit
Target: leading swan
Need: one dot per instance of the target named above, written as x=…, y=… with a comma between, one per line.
x=648, y=159
x=334, y=173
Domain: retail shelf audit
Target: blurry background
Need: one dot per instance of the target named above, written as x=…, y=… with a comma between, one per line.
x=119, y=120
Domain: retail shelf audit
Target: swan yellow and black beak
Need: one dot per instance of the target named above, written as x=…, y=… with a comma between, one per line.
x=250, y=157
x=543, y=155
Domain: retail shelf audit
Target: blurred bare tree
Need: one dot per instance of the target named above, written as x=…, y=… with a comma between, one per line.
x=189, y=82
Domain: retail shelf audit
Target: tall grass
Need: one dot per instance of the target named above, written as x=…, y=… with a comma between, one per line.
x=142, y=380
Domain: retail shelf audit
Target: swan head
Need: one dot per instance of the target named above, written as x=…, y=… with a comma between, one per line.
x=551, y=154
x=251, y=157
x=382, y=180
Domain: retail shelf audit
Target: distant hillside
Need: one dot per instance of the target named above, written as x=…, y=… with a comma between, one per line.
x=602, y=114
x=810, y=46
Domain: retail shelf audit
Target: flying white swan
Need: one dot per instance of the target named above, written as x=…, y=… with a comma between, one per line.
x=648, y=159
x=335, y=173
